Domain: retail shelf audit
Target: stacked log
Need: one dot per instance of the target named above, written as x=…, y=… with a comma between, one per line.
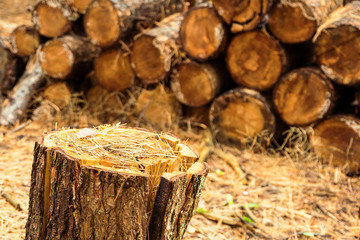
x=289, y=70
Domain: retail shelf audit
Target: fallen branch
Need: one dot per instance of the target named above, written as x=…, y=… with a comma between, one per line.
x=13, y=201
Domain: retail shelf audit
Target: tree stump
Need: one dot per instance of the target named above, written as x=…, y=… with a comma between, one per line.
x=112, y=182
x=337, y=142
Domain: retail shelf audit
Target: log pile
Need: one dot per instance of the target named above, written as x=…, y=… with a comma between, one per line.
x=253, y=66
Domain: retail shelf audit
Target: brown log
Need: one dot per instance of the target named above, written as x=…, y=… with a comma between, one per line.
x=106, y=21
x=203, y=34
x=9, y=70
x=240, y=115
x=79, y=6
x=336, y=45
x=15, y=106
x=113, y=70
x=296, y=21
x=303, y=96
x=158, y=107
x=53, y=18
x=13, y=15
x=195, y=84
x=68, y=55
x=337, y=142
x=24, y=41
x=242, y=15
x=59, y=94
x=255, y=60
x=155, y=51
x=134, y=179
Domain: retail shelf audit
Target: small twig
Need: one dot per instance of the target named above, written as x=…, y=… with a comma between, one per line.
x=21, y=126
x=14, y=202
x=233, y=163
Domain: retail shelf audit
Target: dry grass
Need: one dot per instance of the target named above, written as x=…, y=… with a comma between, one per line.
x=288, y=193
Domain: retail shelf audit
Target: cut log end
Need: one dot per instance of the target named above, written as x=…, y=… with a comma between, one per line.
x=239, y=115
x=25, y=41
x=56, y=59
x=336, y=141
x=241, y=15
x=50, y=21
x=113, y=70
x=202, y=33
x=115, y=163
x=303, y=96
x=101, y=23
x=147, y=59
x=338, y=53
x=255, y=60
x=194, y=84
x=80, y=5
x=58, y=94
x=290, y=24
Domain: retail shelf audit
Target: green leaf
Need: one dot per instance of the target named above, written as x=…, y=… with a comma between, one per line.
x=251, y=205
x=219, y=172
x=229, y=199
x=308, y=234
x=201, y=210
x=248, y=220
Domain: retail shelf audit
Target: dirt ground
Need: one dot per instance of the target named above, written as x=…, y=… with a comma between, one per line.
x=285, y=194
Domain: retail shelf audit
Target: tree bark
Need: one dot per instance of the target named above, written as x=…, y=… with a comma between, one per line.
x=15, y=106
x=195, y=84
x=203, y=34
x=336, y=141
x=303, y=96
x=296, y=21
x=255, y=60
x=336, y=45
x=53, y=18
x=242, y=15
x=106, y=21
x=67, y=56
x=113, y=70
x=76, y=196
x=240, y=115
x=10, y=69
x=155, y=51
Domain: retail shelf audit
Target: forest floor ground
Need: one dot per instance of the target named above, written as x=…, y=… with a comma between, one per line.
x=282, y=193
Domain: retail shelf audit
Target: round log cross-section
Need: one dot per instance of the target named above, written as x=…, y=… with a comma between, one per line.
x=240, y=115
x=112, y=182
x=113, y=70
x=202, y=33
x=337, y=141
x=24, y=41
x=337, y=45
x=303, y=96
x=196, y=84
x=69, y=54
x=242, y=15
x=255, y=60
